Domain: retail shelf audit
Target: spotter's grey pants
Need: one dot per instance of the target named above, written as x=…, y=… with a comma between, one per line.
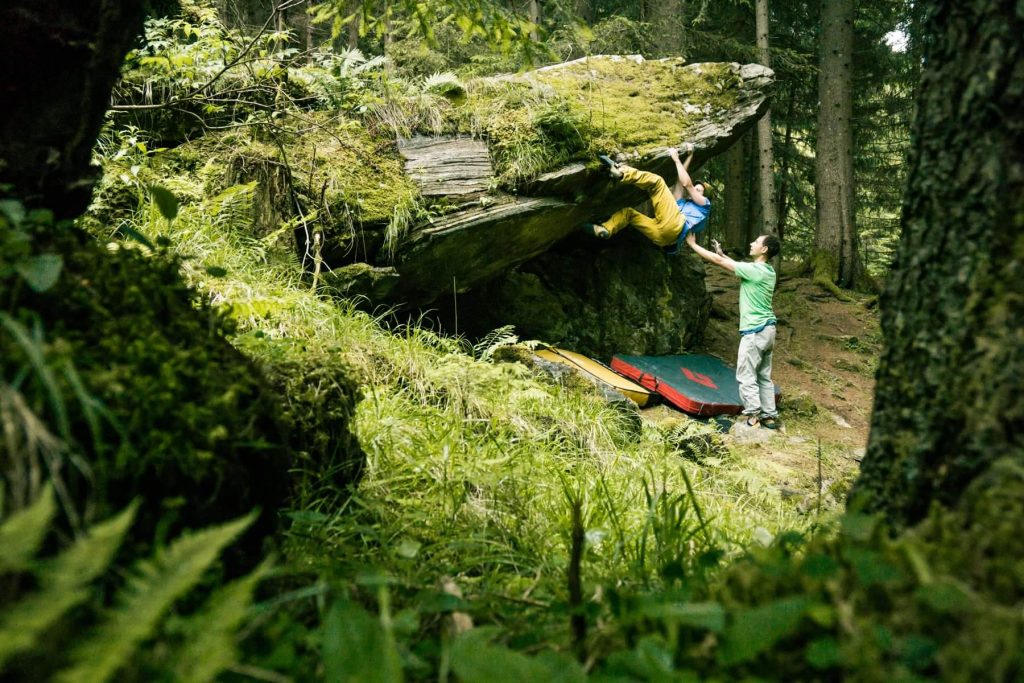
x=754, y=372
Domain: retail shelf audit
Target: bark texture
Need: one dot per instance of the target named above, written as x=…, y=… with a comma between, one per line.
x=835, y=259
x=765, y=153
x=737, y=212
x=61, y=60
x=950, y=392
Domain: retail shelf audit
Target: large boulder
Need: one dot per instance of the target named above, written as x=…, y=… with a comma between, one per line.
x=600, y=299
x=625, y=106
x=480, y=197
x=497, y=251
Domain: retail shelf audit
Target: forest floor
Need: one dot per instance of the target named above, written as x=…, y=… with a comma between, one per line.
x=825, y=359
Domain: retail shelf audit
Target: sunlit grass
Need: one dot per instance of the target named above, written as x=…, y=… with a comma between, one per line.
x=472, y=465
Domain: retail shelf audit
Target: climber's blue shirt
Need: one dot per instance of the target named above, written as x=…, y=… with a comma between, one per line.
x=694, y=214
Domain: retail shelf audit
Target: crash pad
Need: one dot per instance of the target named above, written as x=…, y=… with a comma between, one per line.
x=695, y=383
x=598, y=371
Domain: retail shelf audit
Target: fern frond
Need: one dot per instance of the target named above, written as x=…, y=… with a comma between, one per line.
x=494, y=340
x=23, y=532
x=350, y=58
x=445, y=84
x=154, y=586
x=63, y=584
x=210, y=647
x=373, y=63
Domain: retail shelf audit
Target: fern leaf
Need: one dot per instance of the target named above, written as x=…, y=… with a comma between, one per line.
x=211, y=645
x=494, y=340
x=23, y=533
x=152, y=589
x=445, y=84
x=63, y=585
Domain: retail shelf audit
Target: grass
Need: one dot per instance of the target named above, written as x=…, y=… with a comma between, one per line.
x=474, y=466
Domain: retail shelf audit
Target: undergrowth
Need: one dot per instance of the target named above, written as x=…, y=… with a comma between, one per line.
x=505, y=526
x=474, y=468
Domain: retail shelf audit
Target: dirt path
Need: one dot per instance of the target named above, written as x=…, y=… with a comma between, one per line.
x=825, y=358
x=826, y=350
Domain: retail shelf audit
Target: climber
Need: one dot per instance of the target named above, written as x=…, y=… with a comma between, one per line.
x=677, y=213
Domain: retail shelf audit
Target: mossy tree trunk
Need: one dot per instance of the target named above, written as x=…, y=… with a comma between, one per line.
x=753, y=211
x=950, y=391
x=834, y=257
x=534, y=15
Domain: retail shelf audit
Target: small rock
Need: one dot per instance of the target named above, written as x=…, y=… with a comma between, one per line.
x=763, y=536
x=744, y=434
x=840, y=420
x=847, y=365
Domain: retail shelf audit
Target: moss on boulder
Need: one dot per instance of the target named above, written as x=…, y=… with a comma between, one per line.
x=145, y=394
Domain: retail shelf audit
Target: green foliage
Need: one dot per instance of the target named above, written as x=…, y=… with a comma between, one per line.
x=165, y=200
x=39, y=271
x=152, y=587
x=357, y=647
x=65, y=580
x=211, y=635
x=118, y=379
x=489, y=21
x=23, y=533
x=475, y=660
x=336, y=80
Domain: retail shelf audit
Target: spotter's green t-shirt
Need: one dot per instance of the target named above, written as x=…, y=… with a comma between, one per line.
x=757, y=283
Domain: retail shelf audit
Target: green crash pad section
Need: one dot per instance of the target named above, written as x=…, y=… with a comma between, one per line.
x=695, y=383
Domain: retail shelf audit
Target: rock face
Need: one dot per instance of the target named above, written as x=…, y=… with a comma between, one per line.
x=598, y=298
x=484, y=239
x=478, y=220
x=511, y=255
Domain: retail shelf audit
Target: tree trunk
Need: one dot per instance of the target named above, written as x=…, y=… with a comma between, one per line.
x=754, y=206
x=62, y=59
x=585, y=11
x=735, y=196
x=787, y=154
x=534, y=17
x=950, y=393
x=309, y=30
x=356, y=10
x=835, y=259
x=765, y=156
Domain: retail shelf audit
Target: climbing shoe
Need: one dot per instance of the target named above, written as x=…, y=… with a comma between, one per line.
x=613, y=167
x=596, y=230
